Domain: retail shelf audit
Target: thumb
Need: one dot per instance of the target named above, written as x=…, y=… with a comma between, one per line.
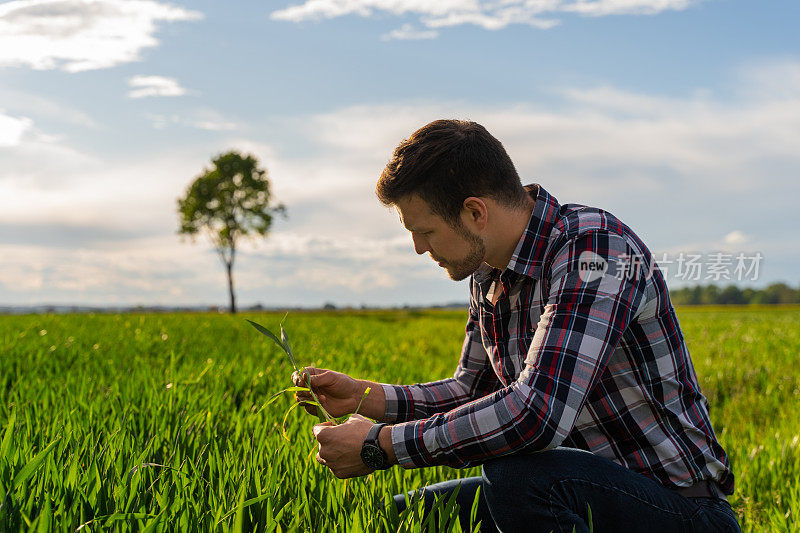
x=300, y=377
x=311, y=370
x=325, y=378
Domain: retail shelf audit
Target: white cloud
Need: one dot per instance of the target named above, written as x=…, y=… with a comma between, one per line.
x=210, y=125
x=408, y=32
x=38, y=107
x=12, y=129
x=625, y=7
x=32, y=274
x=79, y=35
x=490, y=15
x=716, y=145
x=776, y=80
x=33, y=159
x=202, y=119
x=735, y=237
x=144, y=86
x=691, y=173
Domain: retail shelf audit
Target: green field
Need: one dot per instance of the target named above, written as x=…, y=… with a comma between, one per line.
x=152, y=422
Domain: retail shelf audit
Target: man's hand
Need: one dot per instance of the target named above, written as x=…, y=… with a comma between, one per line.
x=340, y=446
x=338, y=393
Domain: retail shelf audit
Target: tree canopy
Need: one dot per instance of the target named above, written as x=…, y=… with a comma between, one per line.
x=229, y=201
x=775, y=293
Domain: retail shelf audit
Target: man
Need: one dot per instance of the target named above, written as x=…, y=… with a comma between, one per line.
x=572, y=346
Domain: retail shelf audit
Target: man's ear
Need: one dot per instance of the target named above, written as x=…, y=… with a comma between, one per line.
x=475, y=214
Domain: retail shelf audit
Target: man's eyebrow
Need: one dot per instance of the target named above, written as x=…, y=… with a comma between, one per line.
x=403, y=222
x=415, y=230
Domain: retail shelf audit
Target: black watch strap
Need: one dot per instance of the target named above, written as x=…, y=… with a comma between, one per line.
x=374, y=431
x=371, y=452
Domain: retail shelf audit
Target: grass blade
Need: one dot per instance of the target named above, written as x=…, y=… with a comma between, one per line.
x=473, y=513
x=264, y=331
x=368, y=389
x=277, y=395
x=7, y=437
x=154, y=524
x=243, y=505
x=589, y=517
x=28, y=470
x=114, y=517
x=44, y=522
x=238, y=521
x=283, y=424
x=287, y=345
x=328, y=417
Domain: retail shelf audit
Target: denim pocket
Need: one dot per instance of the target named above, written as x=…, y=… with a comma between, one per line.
x=713, y=515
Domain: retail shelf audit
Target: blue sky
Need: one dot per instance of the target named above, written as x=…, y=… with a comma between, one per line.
x=681, y=117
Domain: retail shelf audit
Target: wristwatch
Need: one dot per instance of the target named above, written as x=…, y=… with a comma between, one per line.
x=371, y=452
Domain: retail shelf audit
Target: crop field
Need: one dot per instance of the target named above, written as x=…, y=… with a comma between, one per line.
x=155, y=422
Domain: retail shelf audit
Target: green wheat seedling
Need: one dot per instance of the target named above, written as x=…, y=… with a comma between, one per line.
x=322, y=413
x=99, y=385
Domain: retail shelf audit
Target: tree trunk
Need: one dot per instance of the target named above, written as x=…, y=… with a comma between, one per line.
x=229, y=269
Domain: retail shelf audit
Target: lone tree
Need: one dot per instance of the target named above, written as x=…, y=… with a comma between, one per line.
x=229, y=201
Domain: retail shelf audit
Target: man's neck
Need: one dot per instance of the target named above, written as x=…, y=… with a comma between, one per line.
x=510, y=225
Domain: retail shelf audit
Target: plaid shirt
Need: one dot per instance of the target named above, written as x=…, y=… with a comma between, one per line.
x=568, y=356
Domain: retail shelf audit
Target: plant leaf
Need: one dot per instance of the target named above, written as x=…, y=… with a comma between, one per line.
x=283, y=424
x=28, y=470
x=474, y=510
x=9, y=432
x=589, y=517
x=244, y=504
x=328, y=417
x=277, y=395
x=45, y=520
x=264, y=331
x=366, y=391
x=287, y=345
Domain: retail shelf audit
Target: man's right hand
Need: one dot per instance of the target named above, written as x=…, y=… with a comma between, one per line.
x=338, y=393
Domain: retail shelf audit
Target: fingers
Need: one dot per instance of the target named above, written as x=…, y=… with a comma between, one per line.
x=307, y=397
x=298, y=379
x=303, y=397
x=324, y=462
x=310, y=409
x=320, y=378
x=320, y=429
x=299, y=376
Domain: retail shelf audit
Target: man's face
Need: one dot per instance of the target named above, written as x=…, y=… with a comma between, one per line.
x=456, y=249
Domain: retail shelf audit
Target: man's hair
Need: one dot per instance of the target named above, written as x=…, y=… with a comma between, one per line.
x=446, y=162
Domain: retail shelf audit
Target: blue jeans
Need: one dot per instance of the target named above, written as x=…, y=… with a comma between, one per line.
x=551, y=491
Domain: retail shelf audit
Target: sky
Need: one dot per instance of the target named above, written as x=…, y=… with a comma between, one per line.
x=680, y=117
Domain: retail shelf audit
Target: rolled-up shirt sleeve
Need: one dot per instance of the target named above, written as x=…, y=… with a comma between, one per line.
x=473, y=378
x=586, y=313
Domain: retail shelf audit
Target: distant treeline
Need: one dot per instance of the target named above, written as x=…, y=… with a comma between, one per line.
x=777, y=293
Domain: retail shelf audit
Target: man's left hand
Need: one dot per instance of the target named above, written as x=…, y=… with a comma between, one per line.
x=340, y=446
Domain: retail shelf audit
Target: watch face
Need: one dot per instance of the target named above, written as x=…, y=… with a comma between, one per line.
x=373, y=456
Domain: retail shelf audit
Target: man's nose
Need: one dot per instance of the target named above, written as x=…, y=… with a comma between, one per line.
x=420, y=244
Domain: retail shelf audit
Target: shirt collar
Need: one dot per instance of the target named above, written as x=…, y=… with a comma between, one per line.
x=528, y=256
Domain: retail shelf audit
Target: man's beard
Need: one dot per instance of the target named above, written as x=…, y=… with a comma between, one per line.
x=462, y=269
